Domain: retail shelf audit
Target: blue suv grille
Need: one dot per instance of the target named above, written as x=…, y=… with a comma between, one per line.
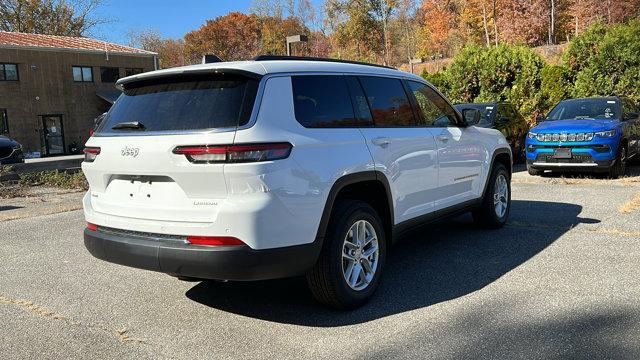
x=565, y=137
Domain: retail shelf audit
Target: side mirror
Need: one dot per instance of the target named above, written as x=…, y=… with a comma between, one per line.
x=471, y=116
x=631, y=116
x=540, y=118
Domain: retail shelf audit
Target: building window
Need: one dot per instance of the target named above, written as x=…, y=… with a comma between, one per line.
x=4, y=122
x=109, y=74
x=132, y=71
x=8, y=72
x=82, y=74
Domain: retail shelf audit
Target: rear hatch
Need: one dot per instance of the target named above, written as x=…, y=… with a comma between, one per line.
x=137, y=174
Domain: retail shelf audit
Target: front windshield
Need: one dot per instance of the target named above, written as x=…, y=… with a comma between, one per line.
x=585, y=109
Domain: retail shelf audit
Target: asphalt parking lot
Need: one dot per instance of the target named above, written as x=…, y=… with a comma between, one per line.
x=561, y=280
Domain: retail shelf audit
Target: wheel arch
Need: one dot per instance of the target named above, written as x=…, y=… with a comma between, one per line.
x=502, y=156
x=354, y=186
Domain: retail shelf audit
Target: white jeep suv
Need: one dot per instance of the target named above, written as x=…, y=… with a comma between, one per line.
x=279, y=167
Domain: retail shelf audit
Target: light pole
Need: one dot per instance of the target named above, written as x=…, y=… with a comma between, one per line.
x=295, y=39
x=413, y=62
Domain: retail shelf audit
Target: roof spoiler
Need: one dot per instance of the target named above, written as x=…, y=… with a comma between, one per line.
x=127, y=82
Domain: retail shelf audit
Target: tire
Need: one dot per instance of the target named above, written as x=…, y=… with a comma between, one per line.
x=534, y=172
x=327, y=280
x=488, y=214
x=620, y=166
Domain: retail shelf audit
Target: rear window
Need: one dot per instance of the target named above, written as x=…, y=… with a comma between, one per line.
x=179, y=105
x=323, y=101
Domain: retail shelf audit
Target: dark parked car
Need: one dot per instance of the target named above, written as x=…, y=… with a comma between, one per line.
x=10, y=151
x=503, y=116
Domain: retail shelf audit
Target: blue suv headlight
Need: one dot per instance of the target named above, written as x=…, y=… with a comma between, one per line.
x=606, y=134
x=532, y=135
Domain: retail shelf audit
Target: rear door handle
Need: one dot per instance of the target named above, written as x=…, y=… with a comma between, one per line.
x=443, y=138
x=380, y=141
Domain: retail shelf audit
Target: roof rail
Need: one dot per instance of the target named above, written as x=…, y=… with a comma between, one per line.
x=308, y=58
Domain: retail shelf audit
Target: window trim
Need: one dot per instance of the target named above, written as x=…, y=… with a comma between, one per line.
x=4, y=70
x=82, y=74
x=460, y=123
x=4, y=115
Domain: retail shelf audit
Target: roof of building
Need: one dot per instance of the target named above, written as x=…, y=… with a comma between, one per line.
x=261, y=68
x=16, y=39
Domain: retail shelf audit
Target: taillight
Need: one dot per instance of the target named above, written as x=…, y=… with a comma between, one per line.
x=92, y=227
x=210, y=154
x=91, y=153
x=214, y=240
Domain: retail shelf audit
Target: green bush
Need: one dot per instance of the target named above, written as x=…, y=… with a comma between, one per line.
x=606, y=61
x=555, y=86
x=497, y=73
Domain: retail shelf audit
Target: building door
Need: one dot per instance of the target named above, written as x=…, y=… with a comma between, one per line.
x=53, y=135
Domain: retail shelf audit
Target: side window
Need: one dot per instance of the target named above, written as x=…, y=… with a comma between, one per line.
x=359, y=99
x=388, y=101
x=433, y=108
x=323, y=101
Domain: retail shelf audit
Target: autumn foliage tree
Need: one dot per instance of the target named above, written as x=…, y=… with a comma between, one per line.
x=235, y=36
x=50, y=17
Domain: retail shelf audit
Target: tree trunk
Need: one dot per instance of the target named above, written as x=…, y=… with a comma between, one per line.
x=552, y=23
x=484, y=23
x=495, y=22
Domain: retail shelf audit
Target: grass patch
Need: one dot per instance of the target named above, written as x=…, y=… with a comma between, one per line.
x=60, y=179
x=5, y=170
x=9, y=191
x=630, y=205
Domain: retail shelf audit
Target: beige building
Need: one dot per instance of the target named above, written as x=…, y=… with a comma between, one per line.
x=53, y=87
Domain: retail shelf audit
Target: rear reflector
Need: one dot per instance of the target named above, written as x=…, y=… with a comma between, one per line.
x=91, y=153
x=211, y=154
x=214, y=240
x=92, y=227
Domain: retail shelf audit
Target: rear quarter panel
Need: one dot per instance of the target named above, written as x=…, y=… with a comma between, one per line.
x=300, y=185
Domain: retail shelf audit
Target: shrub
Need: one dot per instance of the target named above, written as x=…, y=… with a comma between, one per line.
x=555, y=85
x=61, y=179
x=605, y=61
x=497, y=73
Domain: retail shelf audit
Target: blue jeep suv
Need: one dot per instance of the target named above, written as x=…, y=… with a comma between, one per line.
x=594, y=134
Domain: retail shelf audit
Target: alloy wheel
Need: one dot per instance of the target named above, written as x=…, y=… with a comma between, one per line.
x=501, y=196
x=360, y=255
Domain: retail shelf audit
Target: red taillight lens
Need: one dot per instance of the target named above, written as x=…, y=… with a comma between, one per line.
x=214, y=240
x=209, y=154
x=91, y=153
x=92, y=227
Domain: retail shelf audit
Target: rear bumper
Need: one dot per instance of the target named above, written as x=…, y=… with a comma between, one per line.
x=179, y=258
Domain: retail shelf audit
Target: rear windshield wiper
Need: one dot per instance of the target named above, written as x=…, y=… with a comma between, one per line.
x=131, y=125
